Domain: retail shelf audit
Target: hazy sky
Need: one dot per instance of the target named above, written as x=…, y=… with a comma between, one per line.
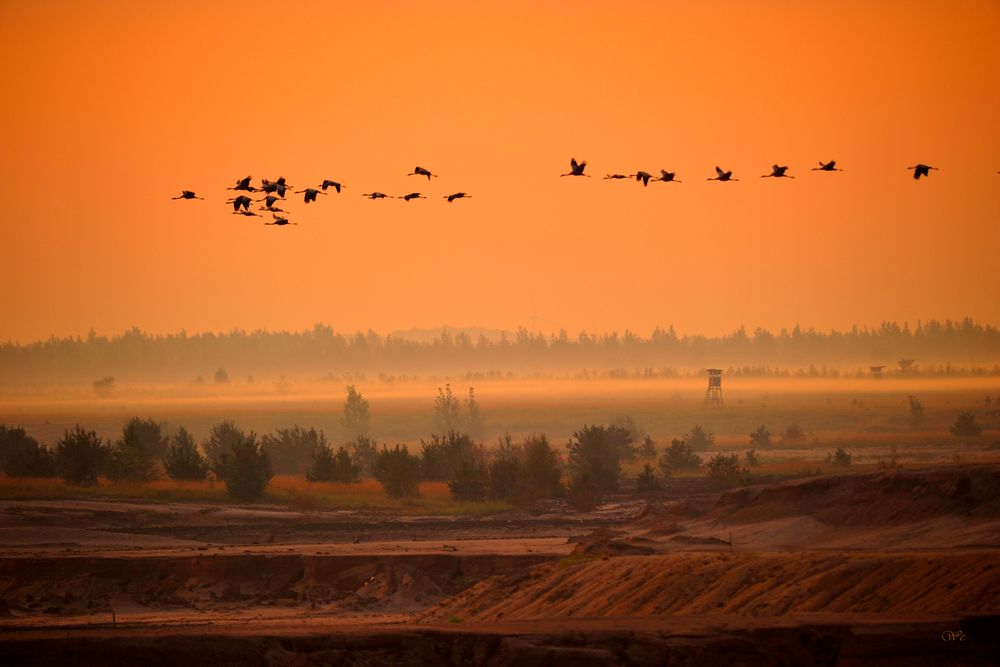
x=108, y=109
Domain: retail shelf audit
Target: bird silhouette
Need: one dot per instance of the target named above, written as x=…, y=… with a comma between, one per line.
x=777, y=171
x=576, y=168
x=279, y=186
x=248, y=213
x=269, y=204
x=240, y=202
x=827, y=166
x=280, y=221
x=921, y=170
x=667, y=177
x=616, y=177
x=243, y=184
x=413, y=195
x=310, y=194
x=457, y=195
x=642, y=176
x=188, y=194
x=723, y=175
x=331, y=184
x=420, y=171
x=377, y=195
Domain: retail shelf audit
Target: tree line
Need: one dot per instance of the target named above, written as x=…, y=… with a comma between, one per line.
x=136, y=355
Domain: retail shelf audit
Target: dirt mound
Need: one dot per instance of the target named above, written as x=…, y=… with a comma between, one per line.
x=82, y=585
x=753, y=585
x=867, y=499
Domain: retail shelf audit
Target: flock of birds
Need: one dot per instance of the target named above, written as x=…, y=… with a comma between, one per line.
x=274, y=191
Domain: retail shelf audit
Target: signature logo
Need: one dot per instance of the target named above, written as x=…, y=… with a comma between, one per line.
x=953, y=636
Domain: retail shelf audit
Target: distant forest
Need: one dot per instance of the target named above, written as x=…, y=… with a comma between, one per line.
x=936, y=347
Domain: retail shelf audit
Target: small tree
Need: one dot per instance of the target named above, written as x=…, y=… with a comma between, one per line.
x=840, y=457
x=134, y=455
x=81, y=456
x=595, y=454
x=751, y=457
x=724, y=471
x=247, y=469
x=699, y=439
x=22, y=456
x=291, y=449
x=329, y=467
x=647, y=450
x=447, y=411
x=647, y=482
x=397, y=471
x=541, y=470
x=219, y=446
x=966, y=426
x=761, y=437
x=473, y=415
x=221, y=376
x=793, y=434
x=104, y=387
x=470, y=479
x=505, y=470
x=916, y=410
x=355, y=420
x=442, y=455
x=365, y=452
x=678, y=457
x=183, y=460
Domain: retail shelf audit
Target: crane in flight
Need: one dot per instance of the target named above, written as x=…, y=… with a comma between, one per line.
x=269, y=204
x=243, y=184
x=240, y=202
x=457, y=195
x=310, y=194
x=249, y=213
x=616, y=177
x=420, y=171
x=921, y=169
x=643, y=176
x=280, y=221
x=777, y=171
x=667, y=177
x=827, y=166
x=412, y=195
x=576, y=168
x=723, y=175
x=279, y=186
x=331, y=184
x=188, y=194
x=377, y=195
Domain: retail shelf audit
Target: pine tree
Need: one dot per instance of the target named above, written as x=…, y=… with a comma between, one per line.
x=183, y=460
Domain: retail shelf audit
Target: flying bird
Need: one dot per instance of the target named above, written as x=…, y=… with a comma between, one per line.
x=777, y=171
x=250, y=213
x=331, y=184
x=643, y=176
x=576, y=168
x=921, y=170
x=240, y=202
x=420, y=171
x=279, y=186
x=269, y=204
x=310, y=194
x=280, y=221
x=413, y=195
x=462, y=195
x=616, y=177
x=667, y=177
x=188, y=194
x=723, y=175
x=827, y=166
x=377, y=195
x=243, y=184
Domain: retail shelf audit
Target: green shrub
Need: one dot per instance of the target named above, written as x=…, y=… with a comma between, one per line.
x=22, y=456
x=219, y=446
x=329, y=467
x=595, y=454
x=647, y=482
x=699, y=439
x=966, y=426
x=398, y=471
x=442, y=455
x=183, y=460
x=839, y=457
x=248, y=470
x=81, y=456
x=724, y=471
x=761, y=437
x=134, y=455
x=291, y=450
x=679, y=456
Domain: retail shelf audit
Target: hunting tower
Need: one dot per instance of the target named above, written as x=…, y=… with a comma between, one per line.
x=713, y=396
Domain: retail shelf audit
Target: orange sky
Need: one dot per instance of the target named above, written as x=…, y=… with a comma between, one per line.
x=109, y=109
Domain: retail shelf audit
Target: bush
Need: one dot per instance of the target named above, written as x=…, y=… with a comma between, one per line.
x=839, y=457
x=505, y=471
x=966, y=426
x=355, y=420
x=81, y=456
x=647, y=482
x=699, y=438
x=761, y=437
x=22, y=456
x=183, y=460
x=291, y=450
x=751, y=457
x=221, y=376
x=442, y=455
x=470, y=480
x=724, y=471
x=248, y=470
x=329, y=467
x=219, y=446
x=447, y=411
x=595, y=454
x=134, y=455
x=397, y=471
x=647, y=449
x=679, y=456
x=541, y=469
x=584, y=491
x=365, y=452
x=104, y=386
x=793, y=434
